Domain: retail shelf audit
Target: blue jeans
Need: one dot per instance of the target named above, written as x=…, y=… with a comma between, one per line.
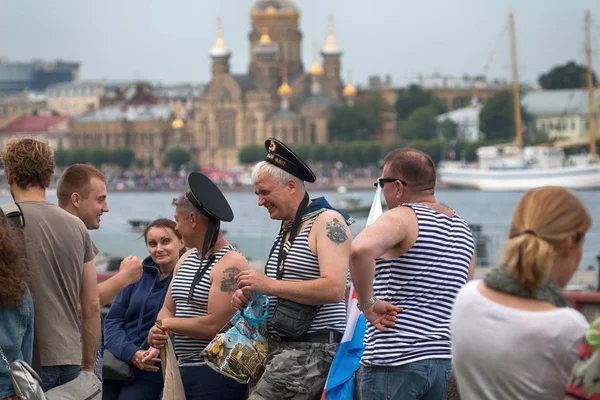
x=419, y=380
x=203, y=383
x=57, y=375
x=136, y=390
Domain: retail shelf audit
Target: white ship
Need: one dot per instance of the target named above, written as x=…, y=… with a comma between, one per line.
x=513, y=169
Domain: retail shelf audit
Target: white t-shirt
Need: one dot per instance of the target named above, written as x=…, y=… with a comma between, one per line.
x=500, y=352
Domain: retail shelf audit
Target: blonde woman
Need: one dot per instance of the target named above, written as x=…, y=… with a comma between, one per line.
x=514, y=335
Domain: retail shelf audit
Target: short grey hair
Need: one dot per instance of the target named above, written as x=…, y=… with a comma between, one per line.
x=184, y=204
x=280, y=176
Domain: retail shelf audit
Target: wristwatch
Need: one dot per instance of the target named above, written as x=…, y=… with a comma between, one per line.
x=367, y=304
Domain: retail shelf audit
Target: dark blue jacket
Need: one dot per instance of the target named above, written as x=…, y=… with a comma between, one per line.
x=133, y=313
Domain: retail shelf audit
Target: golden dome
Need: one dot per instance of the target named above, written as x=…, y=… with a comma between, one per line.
x=315, y=69
x=331, y=46
x=177, y=123
x=265, y=38
x=274, y=9
x=349, y=91
x=219, y=49
x=284, y=89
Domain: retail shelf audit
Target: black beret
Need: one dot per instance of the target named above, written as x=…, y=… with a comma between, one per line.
x=208, y=198
x=283, y=157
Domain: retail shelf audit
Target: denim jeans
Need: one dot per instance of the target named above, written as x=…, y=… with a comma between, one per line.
x=136, y=390
x=58, y=375
x=419, y=380
x=203, y=383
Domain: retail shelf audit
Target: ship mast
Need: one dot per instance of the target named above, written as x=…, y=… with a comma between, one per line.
x=590, y=85
x=515, y=74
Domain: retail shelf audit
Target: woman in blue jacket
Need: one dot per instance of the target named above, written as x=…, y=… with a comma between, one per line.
x=134, y=311
x=16, y=306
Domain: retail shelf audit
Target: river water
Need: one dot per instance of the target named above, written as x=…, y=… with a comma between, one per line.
x=252, y=231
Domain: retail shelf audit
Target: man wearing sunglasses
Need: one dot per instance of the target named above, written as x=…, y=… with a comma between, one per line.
x=423, y=253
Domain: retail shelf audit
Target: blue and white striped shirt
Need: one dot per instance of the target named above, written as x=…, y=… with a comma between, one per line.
x=424, y=281
x=188, y=349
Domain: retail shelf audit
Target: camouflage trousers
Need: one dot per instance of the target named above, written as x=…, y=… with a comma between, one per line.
x=294, y=370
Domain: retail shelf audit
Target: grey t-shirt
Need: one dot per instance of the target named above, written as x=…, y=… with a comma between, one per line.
x=58, y=244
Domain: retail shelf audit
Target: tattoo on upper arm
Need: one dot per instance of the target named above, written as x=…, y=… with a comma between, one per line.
x=336, y=231
x=228, y=283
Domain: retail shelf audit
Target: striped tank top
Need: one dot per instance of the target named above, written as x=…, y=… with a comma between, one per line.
x=424, y=281
x=302, y=265
x=188, y=349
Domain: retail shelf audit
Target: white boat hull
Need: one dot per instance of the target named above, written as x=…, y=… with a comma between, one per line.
x=583, y=177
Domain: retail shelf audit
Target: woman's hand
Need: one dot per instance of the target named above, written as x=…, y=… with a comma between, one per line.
x=136, y=360
x=151, y=356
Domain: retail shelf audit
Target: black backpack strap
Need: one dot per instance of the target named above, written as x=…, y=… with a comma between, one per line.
x=14, y=214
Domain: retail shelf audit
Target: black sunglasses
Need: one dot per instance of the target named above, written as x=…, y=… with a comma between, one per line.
x=382, y=181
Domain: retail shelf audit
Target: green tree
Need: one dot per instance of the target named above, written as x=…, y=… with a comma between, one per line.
x=568, y=76
x=413, y=98
x=176, y=157
x=448, y=129
x=358, y=122
x=98, y=156
x=373, y=109
x=122, y=157
x=60, y=157
x=251, y=154
x=421, y=124
x=76, y=156
x=348, y=123
x=496, y=119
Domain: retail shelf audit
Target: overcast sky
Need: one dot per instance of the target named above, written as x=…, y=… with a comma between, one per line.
x=168, y=41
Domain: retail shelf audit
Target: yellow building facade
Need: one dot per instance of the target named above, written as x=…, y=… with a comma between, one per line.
x=276, y=97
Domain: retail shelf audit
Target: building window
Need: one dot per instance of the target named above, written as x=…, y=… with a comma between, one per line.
x=284, y=136
x=252, y=136
x=313, y=133
x=274, y=132
x=572, y=124
x=295, y=134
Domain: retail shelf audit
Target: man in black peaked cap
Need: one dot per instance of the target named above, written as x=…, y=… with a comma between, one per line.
x=198, y=303
x=305, y=278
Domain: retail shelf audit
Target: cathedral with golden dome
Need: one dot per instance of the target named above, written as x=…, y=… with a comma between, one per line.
x=276, y=97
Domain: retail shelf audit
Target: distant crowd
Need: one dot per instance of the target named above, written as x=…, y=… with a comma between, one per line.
x=512, y=335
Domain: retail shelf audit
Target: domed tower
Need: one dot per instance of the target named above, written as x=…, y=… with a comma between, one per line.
x=220, y=53
x=332, y=53
x=349, y=92
x=316, y=73
x=280, y=17
x=266, y=65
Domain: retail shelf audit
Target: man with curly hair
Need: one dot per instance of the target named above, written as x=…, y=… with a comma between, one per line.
x=61, y=251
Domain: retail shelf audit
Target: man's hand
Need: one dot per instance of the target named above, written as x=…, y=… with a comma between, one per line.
x=254, y=281
x=158, y=336
x=382, y=315
x=239, y=300
x=131, y=268
x=136, y=360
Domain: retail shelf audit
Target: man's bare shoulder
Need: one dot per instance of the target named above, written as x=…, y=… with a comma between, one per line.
x=232, y=258
x=401, y=212
x=333, y=224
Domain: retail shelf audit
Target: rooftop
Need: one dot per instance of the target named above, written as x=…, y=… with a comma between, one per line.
x=129, y=113
x=34, y=123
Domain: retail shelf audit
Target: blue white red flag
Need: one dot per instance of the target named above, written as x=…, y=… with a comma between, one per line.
x=340, y=382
